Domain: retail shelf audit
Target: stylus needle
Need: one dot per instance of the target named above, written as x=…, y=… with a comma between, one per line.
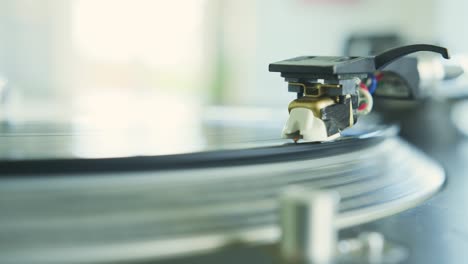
x=296, y=138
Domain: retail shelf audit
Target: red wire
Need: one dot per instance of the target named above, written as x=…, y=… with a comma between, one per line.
x=379, y=76
x=362, y=106
x=363, y=86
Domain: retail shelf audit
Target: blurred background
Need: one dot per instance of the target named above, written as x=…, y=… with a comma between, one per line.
x=123, y=63
x=76, y=55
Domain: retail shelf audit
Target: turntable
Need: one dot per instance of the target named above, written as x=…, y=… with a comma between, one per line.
x=241, y=190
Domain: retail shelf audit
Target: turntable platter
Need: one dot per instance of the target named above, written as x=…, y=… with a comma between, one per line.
x=71, y=209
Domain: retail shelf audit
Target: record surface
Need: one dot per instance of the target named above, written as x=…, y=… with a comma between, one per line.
x=64, y=207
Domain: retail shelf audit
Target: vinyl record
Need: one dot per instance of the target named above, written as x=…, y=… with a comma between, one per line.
x=104, y=209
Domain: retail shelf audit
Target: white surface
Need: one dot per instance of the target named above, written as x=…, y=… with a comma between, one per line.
x=310, y=127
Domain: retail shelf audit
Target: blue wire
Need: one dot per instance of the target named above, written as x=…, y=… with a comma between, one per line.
x=373, y=85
